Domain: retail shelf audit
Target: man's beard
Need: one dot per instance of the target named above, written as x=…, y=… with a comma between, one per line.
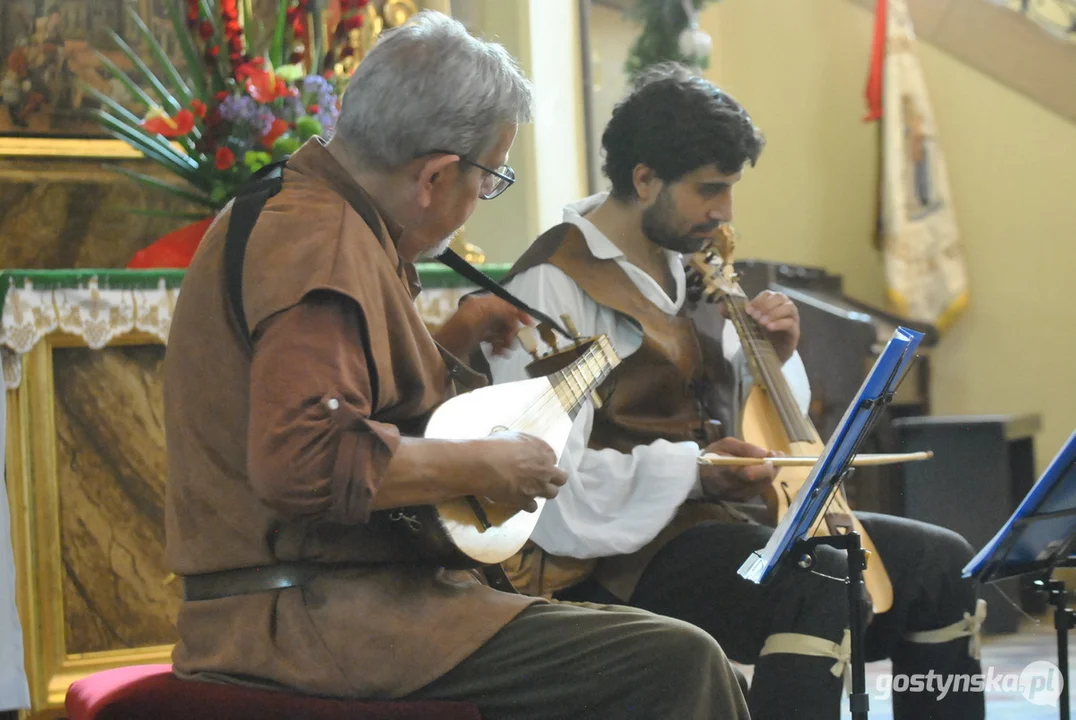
x=431, y=253
x=659, y=227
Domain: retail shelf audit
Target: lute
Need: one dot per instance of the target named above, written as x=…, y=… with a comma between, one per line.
x=771, y=417
x=471, y=531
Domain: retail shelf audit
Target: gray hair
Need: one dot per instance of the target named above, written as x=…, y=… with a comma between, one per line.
x=430, y=85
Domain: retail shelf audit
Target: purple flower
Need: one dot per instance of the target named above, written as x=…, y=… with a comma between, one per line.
x=293, y=109
x=244, y=109
x=318, y=91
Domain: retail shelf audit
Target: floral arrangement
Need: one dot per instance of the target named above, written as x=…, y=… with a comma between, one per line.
x=238, y=104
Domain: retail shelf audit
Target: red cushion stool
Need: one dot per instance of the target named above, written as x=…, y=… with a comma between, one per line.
x=152, y=692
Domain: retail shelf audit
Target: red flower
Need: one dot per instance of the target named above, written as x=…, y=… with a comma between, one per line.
x=313, y=109
x=198, y=108
x=205, y=30
x=225, y=158
x=232, y=28
x=264, y=87
x=279, y=128
x=212, y=53
x=161, y=124
x=221, y=95
x=174, y=250
x=354, y=22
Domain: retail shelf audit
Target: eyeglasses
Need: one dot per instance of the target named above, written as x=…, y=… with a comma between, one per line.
x=494, y=182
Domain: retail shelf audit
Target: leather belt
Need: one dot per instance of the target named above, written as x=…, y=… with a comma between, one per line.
x=243, y=581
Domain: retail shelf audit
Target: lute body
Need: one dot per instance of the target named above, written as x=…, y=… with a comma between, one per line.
x=771, y=417
x=471, y=532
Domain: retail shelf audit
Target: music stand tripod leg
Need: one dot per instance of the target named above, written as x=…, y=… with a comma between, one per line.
x=1063, y=621
x=858, y=700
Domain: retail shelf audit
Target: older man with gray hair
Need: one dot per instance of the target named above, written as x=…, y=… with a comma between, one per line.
x=296, y=391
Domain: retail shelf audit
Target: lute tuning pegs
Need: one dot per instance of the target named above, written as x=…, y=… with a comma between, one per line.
x=529, y=341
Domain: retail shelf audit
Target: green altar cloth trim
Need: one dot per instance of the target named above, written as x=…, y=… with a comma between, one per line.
x=432, y=275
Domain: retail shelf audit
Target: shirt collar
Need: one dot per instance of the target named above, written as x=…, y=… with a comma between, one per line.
x=602, y=248
x=314, y=160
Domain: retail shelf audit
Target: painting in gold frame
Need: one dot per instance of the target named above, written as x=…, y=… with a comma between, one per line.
x=87, y=532
x=47, y=50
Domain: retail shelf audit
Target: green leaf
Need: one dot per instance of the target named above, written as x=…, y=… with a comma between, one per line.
x=129, y=84
x=285, y=145
x=121, y=112
x=161, y=143
x=124, y=115
x=214, y=20
x=178, y=83
x=133, y=124
x=186, y=43
x=290, y=73
x=255, y=160
x=173, y=161
x=162, y=92
x=308, y=127
x=219, y=81
x=319, y=41
x=220, y=194
x=157, y=183
x=248, y=24
x=276, y=49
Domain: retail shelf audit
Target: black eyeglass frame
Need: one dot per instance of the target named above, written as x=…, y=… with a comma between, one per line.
x=509, y=181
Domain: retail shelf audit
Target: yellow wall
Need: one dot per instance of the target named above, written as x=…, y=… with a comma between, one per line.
x=548, y=155
x=800, y=68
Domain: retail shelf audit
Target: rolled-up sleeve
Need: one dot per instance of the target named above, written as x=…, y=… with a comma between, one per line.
x=313, y=450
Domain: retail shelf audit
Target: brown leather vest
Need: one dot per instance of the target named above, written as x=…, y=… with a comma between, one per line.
x=668, y=389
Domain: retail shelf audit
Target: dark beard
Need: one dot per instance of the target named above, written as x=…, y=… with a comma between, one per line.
x=659, y=226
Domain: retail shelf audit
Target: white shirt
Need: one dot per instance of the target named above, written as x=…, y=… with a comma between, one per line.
x=614, y=503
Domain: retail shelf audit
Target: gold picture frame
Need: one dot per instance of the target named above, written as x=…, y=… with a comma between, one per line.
x=46, y=147
x=34, y=495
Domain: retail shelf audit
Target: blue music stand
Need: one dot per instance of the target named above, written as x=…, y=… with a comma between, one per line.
x=790, y=542
x=1039, y=538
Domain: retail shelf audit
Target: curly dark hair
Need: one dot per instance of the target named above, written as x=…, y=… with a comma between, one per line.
x=674, y=122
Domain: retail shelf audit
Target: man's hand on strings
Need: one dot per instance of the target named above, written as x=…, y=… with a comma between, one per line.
x=779, y=317
x=482, y=318
x=737, y=484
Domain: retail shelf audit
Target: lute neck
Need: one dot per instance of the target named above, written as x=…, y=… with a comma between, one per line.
x=574, y=383
x=767, y=369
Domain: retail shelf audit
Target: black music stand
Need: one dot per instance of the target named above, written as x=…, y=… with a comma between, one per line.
x=1039, y=538
x=790, y=544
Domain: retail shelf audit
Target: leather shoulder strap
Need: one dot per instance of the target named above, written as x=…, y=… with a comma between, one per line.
x=247, y=206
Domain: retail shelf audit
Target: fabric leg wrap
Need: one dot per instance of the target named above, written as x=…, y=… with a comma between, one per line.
x=971, y=626
x=798, y=644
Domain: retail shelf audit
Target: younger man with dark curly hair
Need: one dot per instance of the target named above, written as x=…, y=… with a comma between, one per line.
x=638, y=522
